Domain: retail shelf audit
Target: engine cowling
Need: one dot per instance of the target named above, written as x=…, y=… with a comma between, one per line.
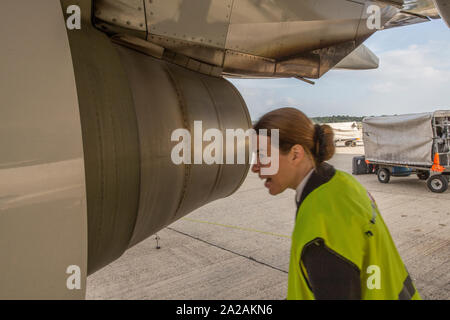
x=130, y=103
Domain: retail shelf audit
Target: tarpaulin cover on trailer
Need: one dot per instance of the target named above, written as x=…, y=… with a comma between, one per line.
x=404, y=139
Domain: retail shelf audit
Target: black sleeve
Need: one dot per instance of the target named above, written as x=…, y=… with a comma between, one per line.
x=331, y=276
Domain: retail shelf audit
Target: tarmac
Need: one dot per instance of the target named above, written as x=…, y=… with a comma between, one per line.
x=238, y=247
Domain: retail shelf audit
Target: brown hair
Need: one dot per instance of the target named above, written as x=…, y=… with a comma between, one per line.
x=296, y=128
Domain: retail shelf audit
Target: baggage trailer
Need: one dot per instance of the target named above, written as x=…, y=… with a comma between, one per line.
x=413, y=143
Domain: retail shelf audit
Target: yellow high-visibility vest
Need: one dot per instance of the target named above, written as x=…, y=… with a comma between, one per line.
x=341, y=214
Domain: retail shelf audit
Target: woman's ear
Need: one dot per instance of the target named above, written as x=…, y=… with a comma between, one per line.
x=297, y=153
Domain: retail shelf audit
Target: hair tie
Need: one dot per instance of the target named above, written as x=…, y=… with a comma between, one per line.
x=318, y=141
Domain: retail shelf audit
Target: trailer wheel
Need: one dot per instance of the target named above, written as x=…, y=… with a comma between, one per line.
x=423, y=175
x=384, y=175
x=348, y=143
x=437, y=183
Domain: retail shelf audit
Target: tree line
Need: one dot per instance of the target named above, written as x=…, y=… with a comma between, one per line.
x=331, y=119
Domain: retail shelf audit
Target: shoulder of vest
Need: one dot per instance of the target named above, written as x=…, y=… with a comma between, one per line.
x=328, y=183
x=321, y=175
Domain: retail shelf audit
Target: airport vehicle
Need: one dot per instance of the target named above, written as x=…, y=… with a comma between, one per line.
x=91, y=91
x=412, y=143
x=346, y=132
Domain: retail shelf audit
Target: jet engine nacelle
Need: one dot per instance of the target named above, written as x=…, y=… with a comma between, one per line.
x=130, y=104
x=87, y=169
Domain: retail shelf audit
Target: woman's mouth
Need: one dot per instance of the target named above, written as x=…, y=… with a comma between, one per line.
x=267, y=183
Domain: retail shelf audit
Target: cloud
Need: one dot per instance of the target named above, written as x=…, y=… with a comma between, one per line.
x=412, y=79
x=290, y=101
x=414, y=76
x=383, y=87
x=426, y=62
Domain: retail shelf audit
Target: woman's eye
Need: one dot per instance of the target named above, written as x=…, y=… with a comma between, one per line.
x=264, y=160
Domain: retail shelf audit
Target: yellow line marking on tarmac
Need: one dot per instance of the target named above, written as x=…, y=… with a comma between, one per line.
x=236, y=227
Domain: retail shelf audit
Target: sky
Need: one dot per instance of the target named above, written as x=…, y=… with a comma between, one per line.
x=413, y=76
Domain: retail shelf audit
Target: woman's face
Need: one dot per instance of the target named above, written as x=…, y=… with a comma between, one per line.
x=283, y=178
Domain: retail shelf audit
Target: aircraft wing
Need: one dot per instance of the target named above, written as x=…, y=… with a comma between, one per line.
x=283, y=38
x=417, y=11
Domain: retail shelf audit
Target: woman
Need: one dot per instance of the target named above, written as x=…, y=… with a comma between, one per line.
x=341, y=247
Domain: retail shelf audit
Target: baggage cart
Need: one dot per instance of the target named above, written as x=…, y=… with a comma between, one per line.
x=413, y=143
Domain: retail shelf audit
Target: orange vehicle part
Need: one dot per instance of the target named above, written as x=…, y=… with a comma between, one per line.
x=436, y=164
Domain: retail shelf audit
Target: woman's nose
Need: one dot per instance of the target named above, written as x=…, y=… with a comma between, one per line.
x=255, y=168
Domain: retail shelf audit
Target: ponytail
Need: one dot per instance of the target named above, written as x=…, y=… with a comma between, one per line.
x=323, y=143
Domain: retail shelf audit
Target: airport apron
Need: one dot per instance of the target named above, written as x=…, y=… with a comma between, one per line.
x=341, y=217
